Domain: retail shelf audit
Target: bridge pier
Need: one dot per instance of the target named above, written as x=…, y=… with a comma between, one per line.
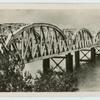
x=85, y=57
x=68, y=59
x=46, y=65
x=97, y=50
x=93, y=55
x=77, y=60
x=69, y=63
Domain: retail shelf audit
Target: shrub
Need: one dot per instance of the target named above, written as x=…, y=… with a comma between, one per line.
x=55, y=82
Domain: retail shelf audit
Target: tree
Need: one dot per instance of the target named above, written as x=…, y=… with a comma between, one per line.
x=12, y=78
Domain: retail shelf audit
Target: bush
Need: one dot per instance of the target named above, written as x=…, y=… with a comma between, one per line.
x=55, y=82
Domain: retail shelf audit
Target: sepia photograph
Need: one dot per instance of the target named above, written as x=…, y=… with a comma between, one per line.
x=50, y=49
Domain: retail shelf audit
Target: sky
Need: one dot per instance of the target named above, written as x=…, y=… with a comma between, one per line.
x=64, y=18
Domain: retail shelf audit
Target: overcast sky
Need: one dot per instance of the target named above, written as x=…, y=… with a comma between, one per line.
x=89, y=18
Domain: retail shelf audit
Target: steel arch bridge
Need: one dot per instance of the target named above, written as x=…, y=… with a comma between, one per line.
x=43, y=40
x=38, y=41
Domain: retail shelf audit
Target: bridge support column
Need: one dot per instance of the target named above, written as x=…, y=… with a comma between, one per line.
x=69, y=63
x=93, y=55
x=77, y=60
x=46, y=65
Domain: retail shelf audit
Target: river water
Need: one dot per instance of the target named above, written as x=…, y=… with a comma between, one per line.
x=89, y=77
